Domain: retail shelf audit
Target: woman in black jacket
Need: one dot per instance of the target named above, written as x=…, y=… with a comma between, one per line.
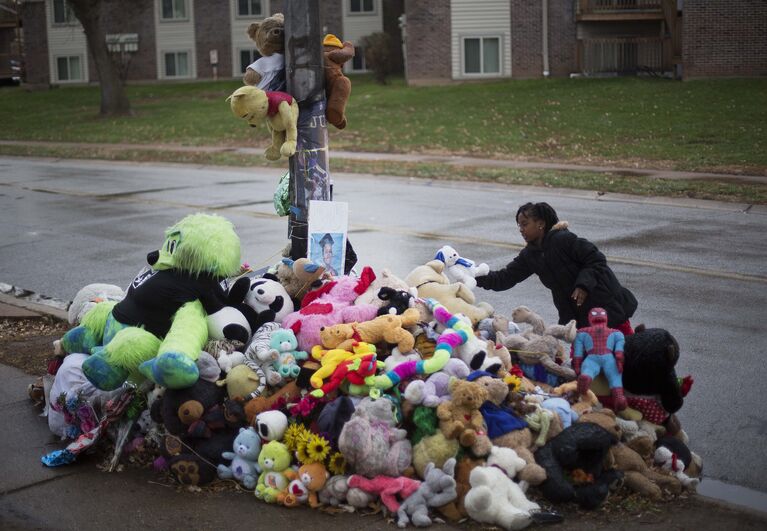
x=571, y=267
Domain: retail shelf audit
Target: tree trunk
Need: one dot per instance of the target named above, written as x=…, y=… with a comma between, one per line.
x=114, y=100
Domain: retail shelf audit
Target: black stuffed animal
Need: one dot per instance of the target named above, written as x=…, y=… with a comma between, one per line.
x=579, y=450
x=200, y=425
x=261, y=300
x=397, y=301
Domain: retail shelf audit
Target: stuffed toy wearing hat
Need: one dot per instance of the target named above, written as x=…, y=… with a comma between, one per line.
x=460, y=269
x=278, y=110
x=268, y=71
x=170, y=301
x=337, y=85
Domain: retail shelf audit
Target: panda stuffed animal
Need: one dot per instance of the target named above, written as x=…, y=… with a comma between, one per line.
x=261, y=300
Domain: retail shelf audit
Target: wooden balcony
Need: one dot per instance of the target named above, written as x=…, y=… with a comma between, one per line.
x=624, y=55
x=612, y=10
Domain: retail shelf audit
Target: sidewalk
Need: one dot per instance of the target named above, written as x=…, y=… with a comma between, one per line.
x=408, y=157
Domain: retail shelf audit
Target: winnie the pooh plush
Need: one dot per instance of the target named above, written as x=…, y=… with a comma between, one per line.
x=337, y=85
x=279, y=110
x=268, y=71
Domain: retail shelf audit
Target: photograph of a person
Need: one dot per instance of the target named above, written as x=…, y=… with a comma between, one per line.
x=326, y=251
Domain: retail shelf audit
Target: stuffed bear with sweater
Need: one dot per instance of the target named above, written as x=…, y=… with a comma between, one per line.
x=268, y=71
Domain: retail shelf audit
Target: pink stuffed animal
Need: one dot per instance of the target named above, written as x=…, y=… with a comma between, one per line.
x=330, y=305
x=388, y=488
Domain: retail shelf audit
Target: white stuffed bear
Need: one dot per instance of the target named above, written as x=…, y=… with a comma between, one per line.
x=229, y=361
x=89, y=296
x=268, y=295
x=460, y=269
x=494, y=498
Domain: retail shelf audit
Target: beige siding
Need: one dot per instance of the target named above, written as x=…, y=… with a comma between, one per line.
x=175, y=36
x=240, y=39
x=65, y=40
x=480, y=18
x=357, y=26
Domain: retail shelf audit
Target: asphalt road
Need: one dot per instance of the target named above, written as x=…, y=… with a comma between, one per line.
x=698, y=268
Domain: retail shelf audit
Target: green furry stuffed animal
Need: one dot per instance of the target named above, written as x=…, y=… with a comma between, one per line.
x=158, y=330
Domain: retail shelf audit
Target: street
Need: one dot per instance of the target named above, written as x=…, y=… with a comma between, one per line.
x=698, y=269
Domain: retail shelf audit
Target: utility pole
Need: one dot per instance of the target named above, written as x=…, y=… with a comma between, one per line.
x=305, y=76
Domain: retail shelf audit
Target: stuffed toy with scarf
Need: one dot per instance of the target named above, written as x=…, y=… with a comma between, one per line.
x=459, y=269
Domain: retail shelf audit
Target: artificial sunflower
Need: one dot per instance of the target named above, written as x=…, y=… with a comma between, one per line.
x=337, y=463
x=301, y=453
x=290, y=439
x=317, y=448
x=514, y=382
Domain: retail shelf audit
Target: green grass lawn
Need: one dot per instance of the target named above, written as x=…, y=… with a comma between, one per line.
x=713, y=124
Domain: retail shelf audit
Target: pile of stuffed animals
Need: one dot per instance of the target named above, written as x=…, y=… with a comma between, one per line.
x=367, y=388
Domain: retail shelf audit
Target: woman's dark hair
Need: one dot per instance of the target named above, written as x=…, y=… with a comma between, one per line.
x=326, y=240
x=540, y=211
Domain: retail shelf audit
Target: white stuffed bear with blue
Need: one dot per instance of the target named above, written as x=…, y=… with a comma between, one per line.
x=244, y=467
x=460, y=269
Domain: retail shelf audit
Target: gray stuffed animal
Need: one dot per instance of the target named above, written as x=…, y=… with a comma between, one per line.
x=437, y=489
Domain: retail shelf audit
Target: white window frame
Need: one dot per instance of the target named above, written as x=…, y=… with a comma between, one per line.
x=263, y=14
x=482, y=73
x=67, y=14
x=164, y=70
x=361, y=13
x=185, y=18
x=239, y=58
x=80, y=57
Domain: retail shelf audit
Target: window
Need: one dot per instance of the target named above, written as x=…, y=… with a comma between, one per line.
x=250, y=8
x=362, y=7
x=248, y=57
x=68, y=68
x=176, y=64
x=358, y=61
x=482, y=55
x=62, y=13
x=173, y=9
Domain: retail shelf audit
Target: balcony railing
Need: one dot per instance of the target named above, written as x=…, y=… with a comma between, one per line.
x=622, y=55
x=618, y=6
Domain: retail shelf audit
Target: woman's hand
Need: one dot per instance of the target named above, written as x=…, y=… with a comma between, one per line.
x=579, y=296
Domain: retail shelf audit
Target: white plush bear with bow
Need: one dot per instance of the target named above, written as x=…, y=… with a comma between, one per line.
x=460, y=269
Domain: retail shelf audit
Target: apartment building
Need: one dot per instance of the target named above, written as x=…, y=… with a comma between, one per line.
x=177, y=39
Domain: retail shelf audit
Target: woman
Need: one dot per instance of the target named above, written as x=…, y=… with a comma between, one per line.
x=326, y=244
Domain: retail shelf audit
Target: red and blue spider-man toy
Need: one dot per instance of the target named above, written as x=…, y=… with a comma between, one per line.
x=603, y=350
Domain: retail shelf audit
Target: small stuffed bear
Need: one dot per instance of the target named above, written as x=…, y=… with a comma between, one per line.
x=460, y=269
x=298, y=277
x=283, y=343
x=278, y=110
x=268, y=71
x=337, y=85
x=461, y=419
x=276, y=474
x=261, y=300
x=311, y=479
x=244, y=467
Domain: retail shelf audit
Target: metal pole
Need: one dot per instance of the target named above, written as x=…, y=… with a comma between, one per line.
x=305, y=76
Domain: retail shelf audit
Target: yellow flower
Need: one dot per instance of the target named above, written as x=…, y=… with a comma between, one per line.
x=514, y=382
x=301, y=453
x=337, y=463
x=290, y=438
x=317, y=448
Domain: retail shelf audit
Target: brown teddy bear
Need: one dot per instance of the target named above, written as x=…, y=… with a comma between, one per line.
x=338, y=87
x=389, y=328
x=268, y=72
x=637, y=476
x=460, y=418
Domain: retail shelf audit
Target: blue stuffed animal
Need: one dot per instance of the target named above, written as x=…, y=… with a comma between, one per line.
x=283, y=342
x=244, y=467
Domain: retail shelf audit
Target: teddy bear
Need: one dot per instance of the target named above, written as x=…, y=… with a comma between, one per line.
x=437, y=489
x=311, y=479
x=337, y=85
x=460, y=417
x=298, y=277
x=278, y=110
x=261, y=300
x=575, y=467
x=637, y=476
x=434, y=390
x=523, y=314
x=268, y=71
x=283, y=343
x=276, y=474
x=460, y=269
x=244, y=458
x=158, y=330
x=371, y=442
x=329, y=305
x=390, y=328
x=431, y=282
x=537, y=357
x=494, y=498
x=287, y=394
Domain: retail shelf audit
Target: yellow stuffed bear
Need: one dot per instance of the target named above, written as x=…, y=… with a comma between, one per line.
x=389, y=328
x=278, y=109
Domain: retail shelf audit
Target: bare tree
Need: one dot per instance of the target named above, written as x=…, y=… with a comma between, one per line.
x=114, y=100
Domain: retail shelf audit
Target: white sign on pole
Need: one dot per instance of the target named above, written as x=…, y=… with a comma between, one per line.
x=328, y=225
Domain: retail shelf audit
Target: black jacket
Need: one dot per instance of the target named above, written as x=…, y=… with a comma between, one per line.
x=564, y=262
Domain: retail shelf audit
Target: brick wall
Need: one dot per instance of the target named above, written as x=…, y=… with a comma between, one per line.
x=563, y=58
x=724, y=38
x=35, y=44
x=212, y=31
x=526, y=38
x=428, y=41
